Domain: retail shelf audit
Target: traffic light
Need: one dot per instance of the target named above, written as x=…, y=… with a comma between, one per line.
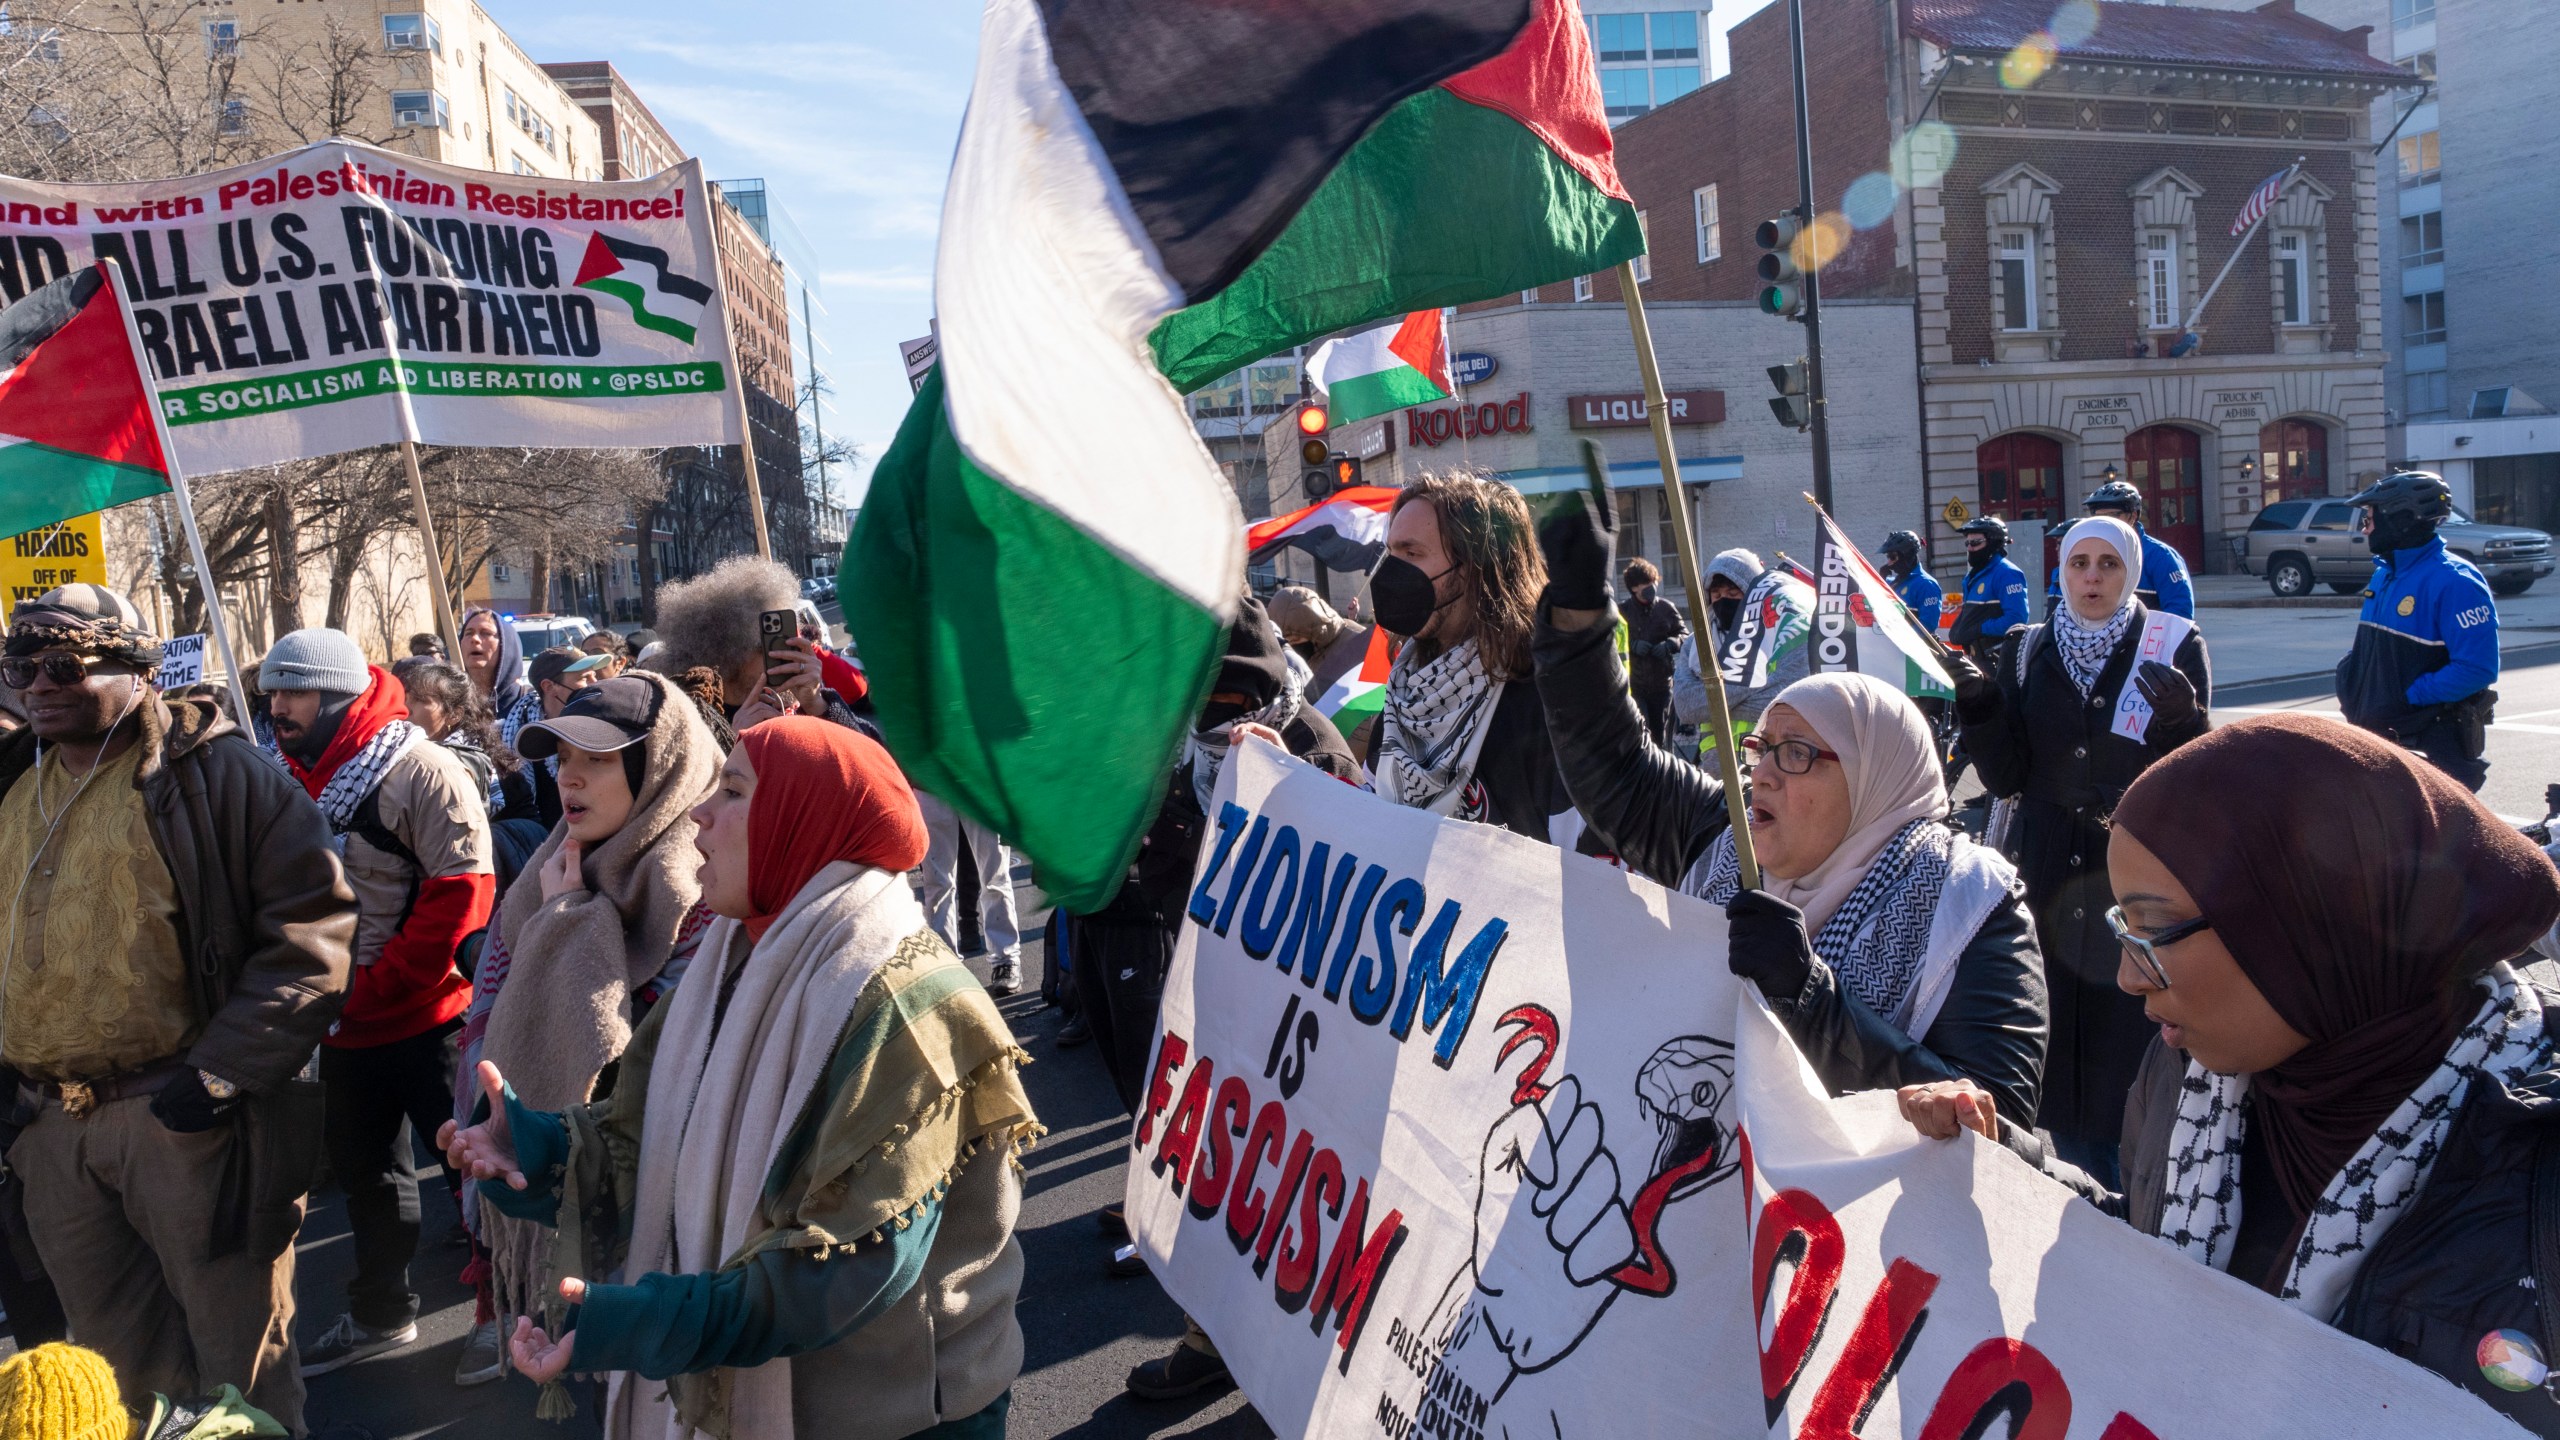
x=1346, y=471
x=1327, y=471
x=1313, y=418
x=1781, y=280
x=1793, y=404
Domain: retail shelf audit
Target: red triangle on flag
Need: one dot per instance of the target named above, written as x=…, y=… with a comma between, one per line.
x=80, y=390
x=599, y=261
x=1375, y=664
x=1418, y=343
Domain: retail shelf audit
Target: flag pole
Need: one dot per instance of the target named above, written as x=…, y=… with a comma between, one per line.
x=737, y=382
x=427, y=541
x=1676, y=502
x=186, y=501
x=2238, y=250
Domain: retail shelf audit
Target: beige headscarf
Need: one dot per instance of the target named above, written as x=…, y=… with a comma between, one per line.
x=1894, y=778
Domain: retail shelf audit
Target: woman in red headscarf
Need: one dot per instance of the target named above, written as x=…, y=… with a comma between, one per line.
x=2351, y=1102
x=809, y=1152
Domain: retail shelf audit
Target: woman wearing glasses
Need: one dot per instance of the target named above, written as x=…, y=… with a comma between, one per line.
x=2078, y=707
x=2350, y=1101
x=1895, y=950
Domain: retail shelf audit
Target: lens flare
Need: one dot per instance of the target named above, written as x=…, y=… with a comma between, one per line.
x=1922, y=155
x=1869, y=201
x=2024, y=66
x=1822, y=241
x=2075, y=22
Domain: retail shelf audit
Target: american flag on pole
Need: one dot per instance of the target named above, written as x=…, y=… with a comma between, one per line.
x=2260, y=201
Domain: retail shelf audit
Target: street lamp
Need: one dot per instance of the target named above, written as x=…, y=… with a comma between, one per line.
x=2248, y=468
x=2112, y=474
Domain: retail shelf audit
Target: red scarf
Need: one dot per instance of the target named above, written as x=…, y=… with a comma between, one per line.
x=823, y=793
x=382, y=702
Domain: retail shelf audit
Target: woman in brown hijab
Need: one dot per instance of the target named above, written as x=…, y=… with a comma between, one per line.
x=2352, y=1102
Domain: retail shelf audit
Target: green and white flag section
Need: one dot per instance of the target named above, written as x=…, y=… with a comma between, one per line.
x=1860, y=624
x=1384, y=369
x=75, y=420
x=338, y=296
x=1048, y=558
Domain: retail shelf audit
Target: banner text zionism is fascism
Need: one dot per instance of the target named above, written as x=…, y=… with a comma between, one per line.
x=287, y=308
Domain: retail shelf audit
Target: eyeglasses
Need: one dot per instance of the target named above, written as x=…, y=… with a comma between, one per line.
x=1794, y=757
x=2145, y=950
x=59, y=666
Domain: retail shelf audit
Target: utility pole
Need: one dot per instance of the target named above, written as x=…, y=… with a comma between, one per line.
x=1812, y=273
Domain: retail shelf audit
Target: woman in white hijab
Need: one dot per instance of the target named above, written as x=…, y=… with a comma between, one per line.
x=2076, y=709
x=1890, y=945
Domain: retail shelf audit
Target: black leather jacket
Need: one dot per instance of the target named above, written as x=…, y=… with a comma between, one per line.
x=2460, y=1261
x=1658, y=813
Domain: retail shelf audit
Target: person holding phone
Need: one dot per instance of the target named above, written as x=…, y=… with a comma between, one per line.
x=740, y=621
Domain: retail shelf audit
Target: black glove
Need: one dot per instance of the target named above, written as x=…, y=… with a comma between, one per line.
x=1765, y=944
x=1579, y=539
x=186, y=1107
x=2166, y=688
x=1973, y=688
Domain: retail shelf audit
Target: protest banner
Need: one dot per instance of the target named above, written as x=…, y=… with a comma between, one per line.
x=340, y=296
x=181, y=661
x=71, y=553
x=1441, y=1137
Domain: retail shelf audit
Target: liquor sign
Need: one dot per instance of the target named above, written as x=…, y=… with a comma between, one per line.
x=1612, y=412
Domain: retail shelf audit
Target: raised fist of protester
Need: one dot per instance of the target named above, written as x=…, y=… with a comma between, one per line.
x=537, y=1356
x=1766, y=944
x=1942, y=1107
x=185, y=1107
x=2171, y=695
x=486, y=1151
x=1550, y=1227
x=1579, y=539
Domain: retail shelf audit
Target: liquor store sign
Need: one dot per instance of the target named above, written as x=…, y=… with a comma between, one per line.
x=1611, y=412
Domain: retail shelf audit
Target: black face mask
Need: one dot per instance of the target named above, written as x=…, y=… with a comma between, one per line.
x=1726, y=610
x=1976, y=559
x=2393, y=533
x=1643, y=596
x=1405, y=599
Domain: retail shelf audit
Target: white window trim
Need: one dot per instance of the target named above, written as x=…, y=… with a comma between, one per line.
x=1581, y=288
x=1529, y=297
x=2160, y=266
x=1644, y=260
x=2299, y=296
x=1709, y=208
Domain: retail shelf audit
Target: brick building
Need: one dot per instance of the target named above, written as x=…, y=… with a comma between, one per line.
x=2052, y=207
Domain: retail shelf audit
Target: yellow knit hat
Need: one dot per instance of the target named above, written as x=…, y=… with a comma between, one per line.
x=61, y=1392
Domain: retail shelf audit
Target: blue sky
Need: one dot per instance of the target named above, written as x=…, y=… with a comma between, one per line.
x=848, y=112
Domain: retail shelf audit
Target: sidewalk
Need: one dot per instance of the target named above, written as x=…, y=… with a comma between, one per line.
x=2252, y=643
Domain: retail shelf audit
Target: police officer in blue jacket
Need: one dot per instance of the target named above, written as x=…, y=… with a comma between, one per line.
x=2426, y=651
x=2164, y=584
x=1995, y=589
x=1911, y=580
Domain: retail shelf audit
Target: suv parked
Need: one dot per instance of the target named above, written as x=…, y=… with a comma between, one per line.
x=537, y=633
x=2294, y=543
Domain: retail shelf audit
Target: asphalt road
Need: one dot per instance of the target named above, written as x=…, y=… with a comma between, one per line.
x=1081, y=1330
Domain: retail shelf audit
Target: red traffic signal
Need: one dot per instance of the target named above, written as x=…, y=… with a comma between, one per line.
x=1314, y=419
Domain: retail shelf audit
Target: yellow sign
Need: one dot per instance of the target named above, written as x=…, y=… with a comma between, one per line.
x=1956, y=513
x=71, y=553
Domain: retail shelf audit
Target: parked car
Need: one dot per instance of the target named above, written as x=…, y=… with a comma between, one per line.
x=2297, y=543
x=537, y=633
x=819, y=588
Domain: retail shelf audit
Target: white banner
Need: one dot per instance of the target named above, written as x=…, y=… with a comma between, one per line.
x=1441, y=1138
x=181, y=662
x=298, y=306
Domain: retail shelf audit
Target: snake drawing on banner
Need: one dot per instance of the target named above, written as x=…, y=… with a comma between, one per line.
x=1556, y=1243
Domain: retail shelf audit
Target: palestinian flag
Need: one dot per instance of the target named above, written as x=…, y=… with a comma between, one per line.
x=637, y=275
x=1386, y=369
x=1347, y=532
x=1496, y=179
x=1860, y=624
x=1360, y=694
x=1048, y=559
x=75, y=411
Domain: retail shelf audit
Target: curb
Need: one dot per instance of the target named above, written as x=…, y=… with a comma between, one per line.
x=2287, y=602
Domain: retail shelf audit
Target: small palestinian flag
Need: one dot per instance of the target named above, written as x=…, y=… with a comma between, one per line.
x=637, y=275
x=75, y=411
x=1361, y=694
x=1347, y=532
x=1275, y=172
x=1382, y=370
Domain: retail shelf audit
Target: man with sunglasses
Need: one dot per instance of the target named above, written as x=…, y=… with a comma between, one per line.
x=176, y=944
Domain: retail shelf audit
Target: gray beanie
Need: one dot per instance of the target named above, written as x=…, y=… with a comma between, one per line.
x=315, y=659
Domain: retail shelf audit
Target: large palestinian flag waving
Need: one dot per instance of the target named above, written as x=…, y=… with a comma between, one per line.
x=1346, y=531
x=75, y=415
x=1048, y=558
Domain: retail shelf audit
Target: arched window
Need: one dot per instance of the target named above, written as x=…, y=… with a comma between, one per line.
x=2166, y=462
x=2293, y=460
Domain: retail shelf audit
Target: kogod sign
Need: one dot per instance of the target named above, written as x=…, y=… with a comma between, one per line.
x=1611, y=412
x=1449, y=422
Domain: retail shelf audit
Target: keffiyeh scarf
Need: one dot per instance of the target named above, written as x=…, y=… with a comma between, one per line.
x=1205, y=755
x=357, y=777
x=2502, y=1043
x=1432, y=728
x=2085, y=647
x=1878, y=940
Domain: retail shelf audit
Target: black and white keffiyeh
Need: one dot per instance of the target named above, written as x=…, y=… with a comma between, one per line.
x=362, y=771
x=2504, y=1042
x=1878, y=940
x=2085, y=647
x=1206, y=756
x=1432, y=727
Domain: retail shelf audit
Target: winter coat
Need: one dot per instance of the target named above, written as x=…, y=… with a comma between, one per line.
x=1656, y=632
x=2458, y=1265
x=1659, y=814
x=265, y=916
x=2056, y=753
